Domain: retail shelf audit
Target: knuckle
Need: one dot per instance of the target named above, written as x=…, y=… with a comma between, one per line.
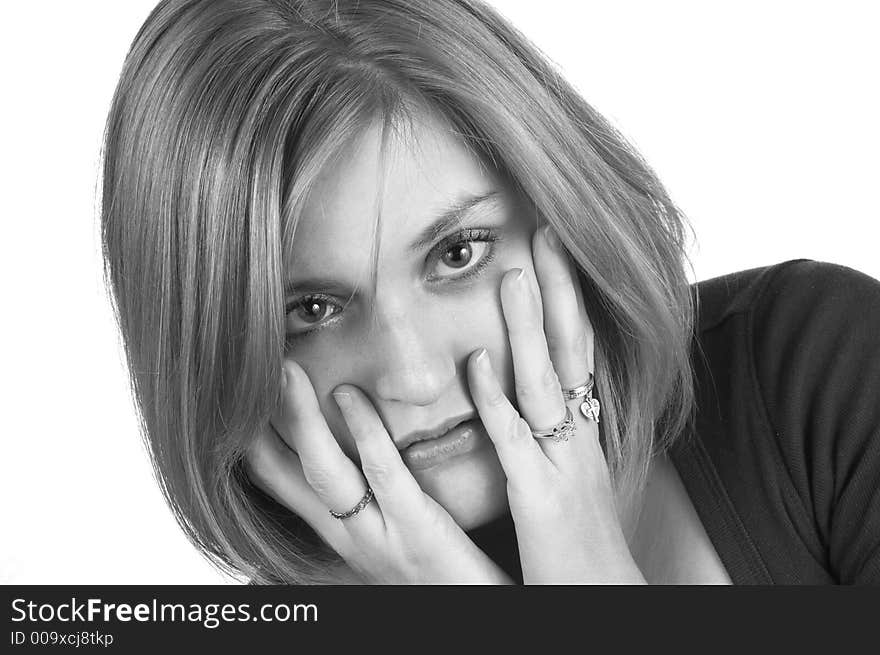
x=580, y=344
x=575, y=345
x=518, y=430
x=380, y=474
x=320, y=479
x=546, y=382
x=408, y=552
x=525, y=390
x=496, y=398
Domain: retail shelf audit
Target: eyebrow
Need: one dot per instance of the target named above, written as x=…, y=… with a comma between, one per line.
x=453, y=215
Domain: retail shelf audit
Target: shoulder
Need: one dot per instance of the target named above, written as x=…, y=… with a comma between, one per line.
x=810, y=330
x=803, y=337
x=795, y=351
x=788, y=292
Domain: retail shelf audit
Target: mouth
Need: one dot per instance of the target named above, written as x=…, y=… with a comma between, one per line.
x=429, y=448
x=443, y=429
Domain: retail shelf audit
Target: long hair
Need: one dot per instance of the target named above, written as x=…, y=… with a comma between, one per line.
x=224, y=115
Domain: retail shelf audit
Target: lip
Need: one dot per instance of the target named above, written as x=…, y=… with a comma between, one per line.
x=459, y=440
x=425, y=435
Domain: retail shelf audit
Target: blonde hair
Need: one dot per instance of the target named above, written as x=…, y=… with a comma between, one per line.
x=224, y=114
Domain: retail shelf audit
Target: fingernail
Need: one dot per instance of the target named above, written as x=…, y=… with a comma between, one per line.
x=551, y=238
x=343, y=400
x=523, y=287
x=483, y=361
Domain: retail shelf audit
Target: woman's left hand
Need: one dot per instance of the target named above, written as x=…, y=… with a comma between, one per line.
x=560, y=493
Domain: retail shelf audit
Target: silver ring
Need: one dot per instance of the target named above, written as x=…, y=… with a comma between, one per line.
x=559, y=432
x=363, y=502
x=590, y=407
x=579, y=391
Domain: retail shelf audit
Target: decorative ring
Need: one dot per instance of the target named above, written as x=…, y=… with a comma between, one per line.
x=363, y=502
x=579, y=391
x=559, y=432
x=590, y=407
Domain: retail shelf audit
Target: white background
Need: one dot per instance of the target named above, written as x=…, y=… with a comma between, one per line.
x=761, y=117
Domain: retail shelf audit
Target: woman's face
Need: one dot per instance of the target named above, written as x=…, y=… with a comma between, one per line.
x=436, y=300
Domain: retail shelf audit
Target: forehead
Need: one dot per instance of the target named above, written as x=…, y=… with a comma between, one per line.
x=409, y=184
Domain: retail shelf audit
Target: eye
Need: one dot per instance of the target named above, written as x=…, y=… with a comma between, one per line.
x=464, y=254
x=461, y=254
x=310, y=313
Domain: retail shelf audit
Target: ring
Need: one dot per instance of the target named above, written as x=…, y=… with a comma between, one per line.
x=579, y=391
x=559, y=432
x=590, y=407
x=363, y=502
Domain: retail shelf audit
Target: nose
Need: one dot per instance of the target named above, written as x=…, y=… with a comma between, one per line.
x=413, y=359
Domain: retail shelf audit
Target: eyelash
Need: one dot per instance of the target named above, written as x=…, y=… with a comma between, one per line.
x=469, y=235
x=293, y=336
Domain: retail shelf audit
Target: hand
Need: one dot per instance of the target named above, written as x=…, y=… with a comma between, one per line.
x=560, y=494
x=403, y=535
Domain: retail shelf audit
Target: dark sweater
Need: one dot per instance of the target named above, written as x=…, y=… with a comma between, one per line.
x=783, y=465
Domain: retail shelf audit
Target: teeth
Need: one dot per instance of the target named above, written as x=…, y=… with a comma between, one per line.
x=441, y=450
x=435, y=436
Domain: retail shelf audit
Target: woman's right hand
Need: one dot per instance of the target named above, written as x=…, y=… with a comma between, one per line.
x=403, y=536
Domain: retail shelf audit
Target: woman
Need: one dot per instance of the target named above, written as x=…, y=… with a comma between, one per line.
x=399, y=306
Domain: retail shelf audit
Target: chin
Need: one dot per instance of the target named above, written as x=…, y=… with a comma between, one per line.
x=472, y=487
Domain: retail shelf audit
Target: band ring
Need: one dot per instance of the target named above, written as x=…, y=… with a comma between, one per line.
x=559, y=432
x=579, y=391
x=363, y=502
x=590, y=407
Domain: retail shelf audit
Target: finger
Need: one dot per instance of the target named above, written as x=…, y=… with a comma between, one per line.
x=569, y=333
x=273, y=467
x=521, y=458
x=397, y=492
x=538, y=393
x=568, y=330
x=334, y=477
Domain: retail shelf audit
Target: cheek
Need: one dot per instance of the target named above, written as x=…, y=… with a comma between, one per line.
x=481, y=325
x=328, y=364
